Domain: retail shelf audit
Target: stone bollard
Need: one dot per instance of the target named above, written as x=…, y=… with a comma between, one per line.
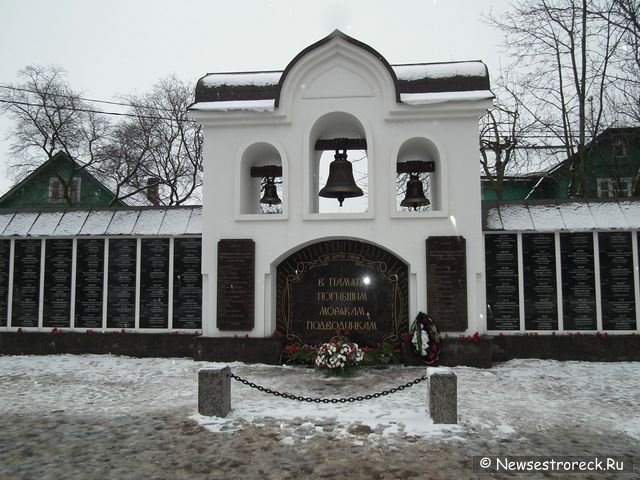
x=442, y=395
x=214, y=392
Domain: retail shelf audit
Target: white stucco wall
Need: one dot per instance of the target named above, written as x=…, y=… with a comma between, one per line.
x=344, y=81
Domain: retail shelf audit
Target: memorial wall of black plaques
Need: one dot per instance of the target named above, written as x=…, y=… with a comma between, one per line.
x=5, y=257
x=57, y=283
x=578, y=281
x=447, y=282
x=187, y=283
x=539, y=276
x=121, y=296
x=89, y=283
x=503, y=292
x=25, y=305
x=154, y=283
x=236, y=284
x=617, y=286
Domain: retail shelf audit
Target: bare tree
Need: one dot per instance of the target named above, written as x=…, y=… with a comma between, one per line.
x=562, y=53
x=503, y=138
x=624, y=16
x=163, y=147
x=50, y=117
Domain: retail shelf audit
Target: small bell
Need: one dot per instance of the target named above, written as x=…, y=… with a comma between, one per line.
x=414, y=197
x=341, y=183
x=270, y=196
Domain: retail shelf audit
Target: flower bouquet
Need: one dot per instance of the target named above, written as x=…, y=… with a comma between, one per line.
x=339, y=356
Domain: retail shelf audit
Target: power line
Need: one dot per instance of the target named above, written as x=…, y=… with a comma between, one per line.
x=100, y=112
x=108, y=102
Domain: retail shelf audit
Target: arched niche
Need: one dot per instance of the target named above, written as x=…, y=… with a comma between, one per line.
x=250, y=188
x=420, y=149
x=338, y=283
x=330, y=126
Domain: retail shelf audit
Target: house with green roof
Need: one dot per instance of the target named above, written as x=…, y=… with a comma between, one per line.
x=60, y=182
x=612, y=170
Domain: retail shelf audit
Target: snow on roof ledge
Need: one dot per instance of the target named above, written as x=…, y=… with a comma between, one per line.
x=417, y=71
x=237, y=105
x=440, y=97
x=110, y=222
x=571, y=215
x=259, y=79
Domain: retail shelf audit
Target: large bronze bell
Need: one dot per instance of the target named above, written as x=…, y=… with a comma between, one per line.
x=414, y=197
x=270, y=196
x=341, y=183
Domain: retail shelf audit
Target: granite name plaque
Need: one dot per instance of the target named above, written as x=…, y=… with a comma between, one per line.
x=57, y=283
x=187, y=283
x=121, y=296
x=25, y=305
x=236, y=284
x=616, y=281
x=342, y=284
x=154, y=283
x=578, y=281
x=539, y=275
x=89, y=283
x=503, y=293
x=447, y=282
x=5, y=257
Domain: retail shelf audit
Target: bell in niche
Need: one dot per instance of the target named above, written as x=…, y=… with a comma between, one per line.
x=414, y=197
x=270, y=196
x=341, y=183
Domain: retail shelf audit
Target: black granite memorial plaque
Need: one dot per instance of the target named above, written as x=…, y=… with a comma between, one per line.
x=26, y=283
x=154, y=283
x=342, y=284
x=89, y=283
x=121, y=290
x=187, y=283
x=447, y=282
x=57, y=283
x=5, y=257
x=578, y=281
x=539, y=275
x=616, y=281
x=503, y=293
x=236, y=284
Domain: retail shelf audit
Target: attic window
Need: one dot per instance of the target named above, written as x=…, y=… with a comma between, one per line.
x=57, y=193
x=615, y=187
x=618, y=147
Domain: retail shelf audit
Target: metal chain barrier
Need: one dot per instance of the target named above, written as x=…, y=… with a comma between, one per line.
x=327, y=400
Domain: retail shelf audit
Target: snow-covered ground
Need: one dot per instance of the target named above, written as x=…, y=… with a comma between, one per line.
x=509, y=397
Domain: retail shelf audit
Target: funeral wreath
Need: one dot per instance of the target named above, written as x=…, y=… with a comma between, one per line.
x=425, y=338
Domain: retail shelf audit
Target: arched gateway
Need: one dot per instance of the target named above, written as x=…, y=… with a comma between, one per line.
x=342, y=284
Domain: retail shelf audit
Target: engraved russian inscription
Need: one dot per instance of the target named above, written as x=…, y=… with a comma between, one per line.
x=342, y=284
x=503, y=295
x=57, y=283
x=187, y=283
x=236, y=284
x=26, y=283
x=154, y=283
x=447, y=282
x=121, y=296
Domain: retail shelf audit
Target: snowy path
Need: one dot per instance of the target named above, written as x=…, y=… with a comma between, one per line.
x=101, y=417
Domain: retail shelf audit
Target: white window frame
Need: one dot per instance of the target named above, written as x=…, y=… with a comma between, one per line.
x=56, y=190
x=620, y=187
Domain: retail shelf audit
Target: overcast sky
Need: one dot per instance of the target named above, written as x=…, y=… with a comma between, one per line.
x=119, y=47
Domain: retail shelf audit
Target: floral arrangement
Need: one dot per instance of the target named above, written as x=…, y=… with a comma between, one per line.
x=339, y=356
x=425, y=338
